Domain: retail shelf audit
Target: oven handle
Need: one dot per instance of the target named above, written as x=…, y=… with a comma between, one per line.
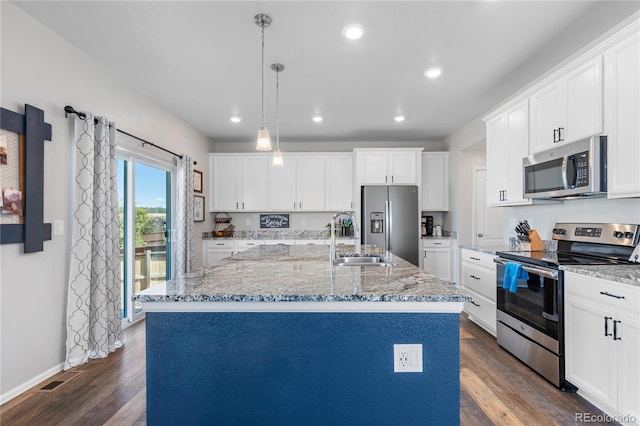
x=544, y=272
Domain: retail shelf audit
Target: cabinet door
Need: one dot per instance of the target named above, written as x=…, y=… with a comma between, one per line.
x=339, y=175
x=435, y=181
x=628, y=350
x=255, y=179
x=583, y=106
x=590, y=358
x=438, y=262
x=282, y=185
x=311, y=183
x=545, y=117
x=224, y=185
x=402, y=168
x=622, y=97
x=517, y=139
x=373, y=168
x=496, y=160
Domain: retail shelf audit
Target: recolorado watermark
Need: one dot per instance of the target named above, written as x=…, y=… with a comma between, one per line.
x=603, y=418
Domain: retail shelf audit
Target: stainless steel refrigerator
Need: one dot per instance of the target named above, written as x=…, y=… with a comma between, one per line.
x=390, y=220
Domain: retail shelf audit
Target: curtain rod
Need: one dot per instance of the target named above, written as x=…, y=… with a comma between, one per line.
x=70, y=110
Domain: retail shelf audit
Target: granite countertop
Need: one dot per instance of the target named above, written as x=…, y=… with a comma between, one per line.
x=281, y=234
x=627, y=274
x=303, y=274
x=487, y=248
x=444, y=237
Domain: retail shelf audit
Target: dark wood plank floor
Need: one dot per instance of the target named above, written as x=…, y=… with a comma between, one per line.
x=495, y=389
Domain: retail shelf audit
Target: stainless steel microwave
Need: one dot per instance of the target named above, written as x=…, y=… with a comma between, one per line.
x=578, y=169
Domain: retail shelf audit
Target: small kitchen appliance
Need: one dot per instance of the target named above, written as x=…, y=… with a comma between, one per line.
x=530, y=321
x=573, y=170
x=427, y=226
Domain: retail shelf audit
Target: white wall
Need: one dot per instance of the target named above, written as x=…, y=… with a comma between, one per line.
x=41, y=69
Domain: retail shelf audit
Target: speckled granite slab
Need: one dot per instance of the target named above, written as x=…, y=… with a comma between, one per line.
x=488, y=249
x=627, y=274
x=276, y=234
x=303, y=274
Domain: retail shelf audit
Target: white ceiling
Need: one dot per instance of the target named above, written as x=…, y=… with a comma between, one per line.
x=201, y=60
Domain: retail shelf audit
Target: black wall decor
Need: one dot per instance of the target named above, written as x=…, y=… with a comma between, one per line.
x=33, y=232
x=274, y=220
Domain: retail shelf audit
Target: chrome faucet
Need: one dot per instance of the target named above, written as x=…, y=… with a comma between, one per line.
x=332, y=252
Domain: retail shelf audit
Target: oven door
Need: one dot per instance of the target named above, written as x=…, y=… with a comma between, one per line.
x=537, y=299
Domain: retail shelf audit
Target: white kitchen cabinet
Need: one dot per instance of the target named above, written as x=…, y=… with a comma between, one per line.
x=435, y=181
x=507, y=144
x=602, y=346
x=622, y=109
x=400, y=166
x=568, y=108
x=215, y=250
x=298, y=185
x=437, y=258
x=478, y=277
x=339, y=182
x=310, y=242
x=239, y=182
x=282, y=185
x=311, y=183
x=242, y=245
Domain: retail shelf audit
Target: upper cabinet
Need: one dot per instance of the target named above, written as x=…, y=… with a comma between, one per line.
x=568, y=108
x=435, y=181
x=507, y=144
x=238, y=182
x=622, y=109
x=339, y=181
x=399, y=166
x=306, y=182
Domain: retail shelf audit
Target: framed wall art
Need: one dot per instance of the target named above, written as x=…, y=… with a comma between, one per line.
x=198, y=208
x=22, y=149
x=197, y=181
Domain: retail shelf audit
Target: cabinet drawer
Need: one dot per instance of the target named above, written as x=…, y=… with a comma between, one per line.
x=279, y=242
x=247, y=244
x=608, y=294
x=478, y=258
x=479, y=279
x=310, y=242
x=436, y=243
x=222, y=244
x=483, y=310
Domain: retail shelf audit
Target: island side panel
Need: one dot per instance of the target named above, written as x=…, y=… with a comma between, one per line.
x=300, y=368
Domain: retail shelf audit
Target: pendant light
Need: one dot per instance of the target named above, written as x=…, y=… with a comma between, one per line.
x=264, y=141
x=277, y=155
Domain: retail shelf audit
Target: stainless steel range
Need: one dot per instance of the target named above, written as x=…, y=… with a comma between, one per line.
x=530, y=319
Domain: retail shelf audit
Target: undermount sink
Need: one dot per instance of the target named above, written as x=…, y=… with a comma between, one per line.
x=362, y=260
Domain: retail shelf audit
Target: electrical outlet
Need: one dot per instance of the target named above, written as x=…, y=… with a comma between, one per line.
x=407, y=358
x=247, y=222
x=304, y=222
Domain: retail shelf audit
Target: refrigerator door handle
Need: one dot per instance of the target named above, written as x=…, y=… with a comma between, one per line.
x=389, y=224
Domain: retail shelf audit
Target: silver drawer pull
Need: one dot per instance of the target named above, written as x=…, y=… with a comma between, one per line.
x=474, y=303
x=473, y=258
x=437, y=244
x=604, y=293
x=474, y=277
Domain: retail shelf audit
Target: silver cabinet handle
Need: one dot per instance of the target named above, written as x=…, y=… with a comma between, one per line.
x=236, y=206
x=548, y=273
x=605, y=293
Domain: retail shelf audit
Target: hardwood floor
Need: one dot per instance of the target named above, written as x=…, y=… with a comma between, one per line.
x=496, y=389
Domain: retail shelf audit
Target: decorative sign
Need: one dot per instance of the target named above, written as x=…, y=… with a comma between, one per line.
x=274, y=220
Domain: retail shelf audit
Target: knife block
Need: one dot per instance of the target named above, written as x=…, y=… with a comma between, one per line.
x=536, y=242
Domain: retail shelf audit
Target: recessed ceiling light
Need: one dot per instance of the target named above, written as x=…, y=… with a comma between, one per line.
x=235, y=119
x=433, y=72
x=399, y=118
x=353, y=31
x=317, y=119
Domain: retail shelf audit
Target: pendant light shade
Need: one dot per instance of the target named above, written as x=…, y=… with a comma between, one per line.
x=278, y=161
x=264, y=141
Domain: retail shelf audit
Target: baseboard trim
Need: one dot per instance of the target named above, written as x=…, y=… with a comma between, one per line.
x=18, y=390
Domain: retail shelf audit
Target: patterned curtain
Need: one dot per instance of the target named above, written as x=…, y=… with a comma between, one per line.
x=184, y=219
x=93, y=302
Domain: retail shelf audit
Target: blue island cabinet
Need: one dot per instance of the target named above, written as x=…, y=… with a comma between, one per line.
x=300, y=368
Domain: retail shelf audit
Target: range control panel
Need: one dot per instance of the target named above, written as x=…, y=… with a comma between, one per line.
x=602, y=233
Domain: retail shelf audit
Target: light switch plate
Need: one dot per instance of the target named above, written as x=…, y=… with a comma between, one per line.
x=58, y=227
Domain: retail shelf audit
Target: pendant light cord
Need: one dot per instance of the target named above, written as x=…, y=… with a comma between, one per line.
x=262, y=69
x=277, y=110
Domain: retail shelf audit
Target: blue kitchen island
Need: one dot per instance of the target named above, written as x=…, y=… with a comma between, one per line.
x=275, y=335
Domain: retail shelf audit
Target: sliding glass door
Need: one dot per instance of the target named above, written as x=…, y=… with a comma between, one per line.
x=145, y=190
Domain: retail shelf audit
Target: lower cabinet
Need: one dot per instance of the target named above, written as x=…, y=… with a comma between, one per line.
x=215, y=250
x=602, y=346
x=478, y=277
x=437, y=258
